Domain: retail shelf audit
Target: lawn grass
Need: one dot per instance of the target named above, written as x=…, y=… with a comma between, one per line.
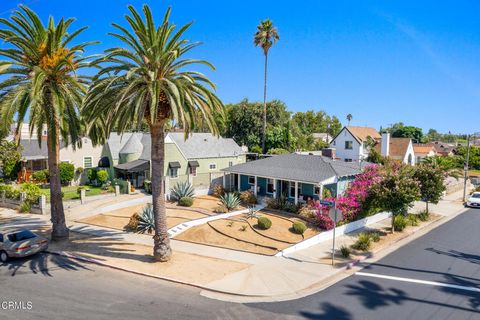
x=70, y=192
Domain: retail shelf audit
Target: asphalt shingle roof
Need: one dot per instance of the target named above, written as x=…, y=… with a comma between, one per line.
x=205, y=145
x=298, y=167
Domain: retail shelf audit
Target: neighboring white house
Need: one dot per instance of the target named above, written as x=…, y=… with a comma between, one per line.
x=423, y=151
x=351, y=143
x=400, y=149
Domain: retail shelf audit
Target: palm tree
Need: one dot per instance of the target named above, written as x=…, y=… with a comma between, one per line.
x=349, y=118
x=147, y=80
x=265, y=37
x=40, y=85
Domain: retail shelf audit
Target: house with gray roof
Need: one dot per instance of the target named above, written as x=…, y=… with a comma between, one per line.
x=197, y=158
x=299, y=177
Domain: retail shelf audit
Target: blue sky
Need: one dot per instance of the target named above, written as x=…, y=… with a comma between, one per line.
x=382, y=61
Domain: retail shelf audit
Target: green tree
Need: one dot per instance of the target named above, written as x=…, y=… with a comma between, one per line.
x=148, y=79
x=265, y=37
x=430, y=180
x=67, y=172
x=349, y=118
x=40, y=82
x=9, y=158
x=397, y=190
x=102, y=176
x=243, y=120
x=91, y=175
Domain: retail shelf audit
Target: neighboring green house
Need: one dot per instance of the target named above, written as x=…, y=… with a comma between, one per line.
x=197, y=159
x=299, y=177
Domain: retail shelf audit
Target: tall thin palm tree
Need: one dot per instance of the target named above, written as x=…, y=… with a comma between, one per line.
x=148, y=79
x=265, y=37
x=40, y=84
x=349, y=118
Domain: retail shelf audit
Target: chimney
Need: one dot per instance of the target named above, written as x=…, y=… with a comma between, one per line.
x=329, y=153
x=385, y=150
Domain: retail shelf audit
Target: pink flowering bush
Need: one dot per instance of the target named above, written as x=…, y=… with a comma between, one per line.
x=324, y=221
x=352, y=202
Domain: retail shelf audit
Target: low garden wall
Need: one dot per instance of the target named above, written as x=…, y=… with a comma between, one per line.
x=328, y=235
x=38, y=208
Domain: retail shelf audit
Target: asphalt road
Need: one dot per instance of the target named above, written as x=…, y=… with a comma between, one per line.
x=448, y=259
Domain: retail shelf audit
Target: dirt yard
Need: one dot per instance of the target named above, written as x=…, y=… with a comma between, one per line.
x=118, y=219
x=240, y=233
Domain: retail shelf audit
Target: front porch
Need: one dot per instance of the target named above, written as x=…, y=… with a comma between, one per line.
x=295, y=191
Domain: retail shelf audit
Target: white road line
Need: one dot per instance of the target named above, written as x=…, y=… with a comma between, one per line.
x=431, y=283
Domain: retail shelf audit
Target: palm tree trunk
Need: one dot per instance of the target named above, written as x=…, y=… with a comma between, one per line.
x=161, y=242
x=59, y=227
x=264, y=106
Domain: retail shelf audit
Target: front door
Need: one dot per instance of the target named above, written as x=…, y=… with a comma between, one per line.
x=284, y=186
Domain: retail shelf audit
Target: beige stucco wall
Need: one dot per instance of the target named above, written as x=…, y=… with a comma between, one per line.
x=76, y=157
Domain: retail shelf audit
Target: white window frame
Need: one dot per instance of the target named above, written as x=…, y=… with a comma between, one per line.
x=91, y=160
x=291, y=186
x=172, y=170
x=270, y=182
x=212, y=164
x=251, y=183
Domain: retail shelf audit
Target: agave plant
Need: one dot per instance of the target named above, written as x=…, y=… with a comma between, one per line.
x=230, y=201
x=146, y=223
x=182, y=189
x=252, y=213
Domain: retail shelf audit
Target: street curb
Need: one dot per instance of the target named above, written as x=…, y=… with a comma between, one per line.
x=103, y=264
x=319, y=286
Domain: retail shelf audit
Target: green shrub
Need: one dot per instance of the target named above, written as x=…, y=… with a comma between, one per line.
x=147, y=185
x=264, y=223
x=345, y=251
x=40, y=175
x=102, y=176
x=299, y=227
x=424, y=216
x=25, y=207
x=400, y=222
x=67, y=172
x=375, y=236
x=230, y=201
x=79, y=171
x=91, y=175
x=182, y=189
x=32, y=192
x=256, y=149
x=363, y=243
x=412, y=220
x=185, y=202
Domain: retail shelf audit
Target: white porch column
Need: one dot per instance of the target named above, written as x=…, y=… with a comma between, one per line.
x=296, y=192
x=238, y=182
x=320, y=196
x=255, y=187
x=274, y=188
x=223, y=180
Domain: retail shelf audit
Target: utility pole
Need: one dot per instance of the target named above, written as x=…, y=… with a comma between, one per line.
x=466, y=170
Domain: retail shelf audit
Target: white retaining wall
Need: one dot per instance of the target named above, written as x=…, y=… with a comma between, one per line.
x=328, y=235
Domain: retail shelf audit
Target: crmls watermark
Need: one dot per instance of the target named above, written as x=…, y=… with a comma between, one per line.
x=16, y=305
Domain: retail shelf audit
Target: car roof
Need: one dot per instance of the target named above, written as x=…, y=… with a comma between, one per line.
x=9, y=230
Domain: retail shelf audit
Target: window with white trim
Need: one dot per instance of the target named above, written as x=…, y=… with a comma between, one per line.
x=173, y=173
x=251, y=180
x=270, y=186
x=212, y=166
x=292, y=189
x=87, y=162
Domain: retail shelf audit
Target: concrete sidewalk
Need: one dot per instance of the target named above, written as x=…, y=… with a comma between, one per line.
x=226, y=274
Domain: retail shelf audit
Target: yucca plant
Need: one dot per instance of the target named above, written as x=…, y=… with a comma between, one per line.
x=146, y=223
x=182, y=190
x=230, y=201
